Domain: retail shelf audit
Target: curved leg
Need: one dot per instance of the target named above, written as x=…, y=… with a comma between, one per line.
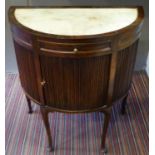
x=105, y=128
x=29, y=105
x=123, y=106
x=44, y=114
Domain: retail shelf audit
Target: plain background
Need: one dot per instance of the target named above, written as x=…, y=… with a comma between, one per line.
x=141, y=62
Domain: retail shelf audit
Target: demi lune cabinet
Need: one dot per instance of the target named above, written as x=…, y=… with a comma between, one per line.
x=76, y=59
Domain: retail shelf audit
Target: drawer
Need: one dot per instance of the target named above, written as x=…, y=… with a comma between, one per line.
x=74, y=49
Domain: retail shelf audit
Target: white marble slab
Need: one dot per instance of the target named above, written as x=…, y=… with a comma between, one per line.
x=76, y=21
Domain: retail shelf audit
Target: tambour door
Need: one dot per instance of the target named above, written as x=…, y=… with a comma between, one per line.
x=75, y=83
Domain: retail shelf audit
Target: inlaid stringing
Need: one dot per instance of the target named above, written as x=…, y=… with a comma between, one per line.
x=76, y=21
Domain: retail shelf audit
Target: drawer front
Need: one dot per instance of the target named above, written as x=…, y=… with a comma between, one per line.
x=74, y=49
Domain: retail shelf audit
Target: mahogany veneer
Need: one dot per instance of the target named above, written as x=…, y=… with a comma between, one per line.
x=76, y=73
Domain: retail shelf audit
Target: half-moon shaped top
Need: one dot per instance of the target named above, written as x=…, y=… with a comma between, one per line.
x=76, y=21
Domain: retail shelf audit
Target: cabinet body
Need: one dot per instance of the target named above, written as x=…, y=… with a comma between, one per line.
x=75, y=74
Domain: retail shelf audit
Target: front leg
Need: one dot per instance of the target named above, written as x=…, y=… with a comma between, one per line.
x=105, y=128
x=44, y=114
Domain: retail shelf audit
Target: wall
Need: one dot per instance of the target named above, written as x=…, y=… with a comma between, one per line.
x=147, y=66
x=10, y=60
x=143, y=44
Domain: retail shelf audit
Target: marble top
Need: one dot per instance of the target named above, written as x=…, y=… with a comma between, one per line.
x=76, y=21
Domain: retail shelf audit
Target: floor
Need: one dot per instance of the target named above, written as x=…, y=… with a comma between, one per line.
x=78, y=134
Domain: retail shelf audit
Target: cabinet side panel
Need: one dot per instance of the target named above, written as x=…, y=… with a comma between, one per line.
x=124, y=72
x=26, y=70
x=75, y=84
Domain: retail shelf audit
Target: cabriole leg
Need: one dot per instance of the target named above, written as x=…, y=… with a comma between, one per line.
x=104, y=132
x=44, y=114
x=29, y=105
